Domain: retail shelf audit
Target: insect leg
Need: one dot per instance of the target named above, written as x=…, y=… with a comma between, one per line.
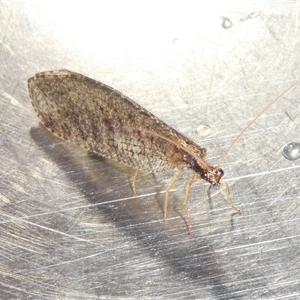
x=174, y=179
x=186, y=200
x=229, y=199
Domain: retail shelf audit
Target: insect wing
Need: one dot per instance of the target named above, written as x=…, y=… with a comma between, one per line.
x=99, y=118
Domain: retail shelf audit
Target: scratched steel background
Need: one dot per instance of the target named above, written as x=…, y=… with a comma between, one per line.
x=70, y=227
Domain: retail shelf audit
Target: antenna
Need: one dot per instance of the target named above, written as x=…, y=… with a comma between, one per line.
x=247, y=127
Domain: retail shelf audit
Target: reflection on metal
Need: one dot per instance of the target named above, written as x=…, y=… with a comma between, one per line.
x=251, y=16
x=291, y=151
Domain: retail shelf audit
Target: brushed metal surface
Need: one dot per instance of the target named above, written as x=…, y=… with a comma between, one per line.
x=70, y=227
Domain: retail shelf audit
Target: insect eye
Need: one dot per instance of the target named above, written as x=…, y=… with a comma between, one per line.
x=221, y=173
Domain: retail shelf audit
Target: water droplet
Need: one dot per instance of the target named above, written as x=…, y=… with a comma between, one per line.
x=291, y=151
x=203, y=130
x=226, y=23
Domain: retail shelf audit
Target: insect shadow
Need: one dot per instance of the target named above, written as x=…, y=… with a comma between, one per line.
x=136, y=217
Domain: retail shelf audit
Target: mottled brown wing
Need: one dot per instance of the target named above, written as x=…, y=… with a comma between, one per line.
x=101, y=119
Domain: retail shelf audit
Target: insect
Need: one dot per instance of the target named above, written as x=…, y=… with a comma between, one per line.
x=95, y=116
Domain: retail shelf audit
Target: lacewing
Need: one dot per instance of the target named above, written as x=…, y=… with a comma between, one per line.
x=95, y=116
